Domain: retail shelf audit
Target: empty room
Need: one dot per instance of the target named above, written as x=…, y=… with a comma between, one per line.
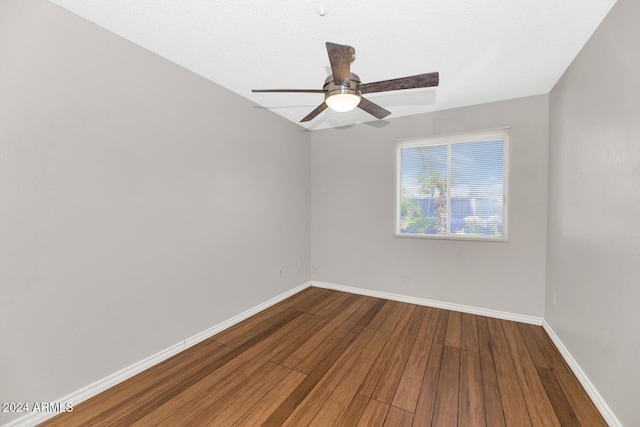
x=319, y=213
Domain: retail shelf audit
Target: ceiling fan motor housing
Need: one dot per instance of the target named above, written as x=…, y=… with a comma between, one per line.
x=332, y=88
x=342, y=97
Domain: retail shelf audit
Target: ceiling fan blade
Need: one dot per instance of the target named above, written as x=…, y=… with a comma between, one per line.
x=289, y=90
x=374, y=109
x=315, y=112
x=411, y=82
x=340, y=57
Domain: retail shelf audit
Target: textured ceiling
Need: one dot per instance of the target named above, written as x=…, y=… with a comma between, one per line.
x=484, y=50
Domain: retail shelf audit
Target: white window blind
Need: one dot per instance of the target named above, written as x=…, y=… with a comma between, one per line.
x=454, y=187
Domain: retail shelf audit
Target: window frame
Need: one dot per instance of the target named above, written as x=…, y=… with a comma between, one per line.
x=469, y=137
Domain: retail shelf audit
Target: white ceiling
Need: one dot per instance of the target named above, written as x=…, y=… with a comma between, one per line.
x=484, y=50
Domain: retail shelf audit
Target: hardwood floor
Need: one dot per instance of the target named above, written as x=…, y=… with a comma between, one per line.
x=327, y=358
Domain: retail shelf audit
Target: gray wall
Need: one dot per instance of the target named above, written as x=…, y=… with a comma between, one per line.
x=594, y=209
x=353, y=191
x=139, y=203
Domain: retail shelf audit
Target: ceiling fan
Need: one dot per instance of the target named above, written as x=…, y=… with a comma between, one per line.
x=343, y=89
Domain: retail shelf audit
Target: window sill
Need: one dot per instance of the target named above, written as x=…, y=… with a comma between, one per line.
x=459, y=237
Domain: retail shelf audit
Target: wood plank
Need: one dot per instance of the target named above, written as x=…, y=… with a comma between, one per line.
x=292, y=401
x=561, y=405
x=251, y=329
x=305, y=412
x=492, y=401
x=583, y=407
x=513, y=404
x=354, y=411
x=445, y=411
x=428, y=391
x=373, y=312
x=341, y=395
x=183, y=398
x=113, y=409
x=208, y=405
x=148, y=379
x=260, y=412
x=396, y=417
x=378, y=369
x=553, y=357
x=534, y=351
x=251, y=396
x=391, y=321
x=317, y=346
x=321, y=301
x=315, y=324
x=454, y=329
x=441, y=327
x=267, y=317
x=374, y=414
x=406, y=396
x=338, y=305
x=469, y=332
x=323, y=347
x=535, y=396
x=388, y=384
x=471, y=402
x=382, y=314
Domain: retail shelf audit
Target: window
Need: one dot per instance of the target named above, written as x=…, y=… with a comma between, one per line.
x=454, y=187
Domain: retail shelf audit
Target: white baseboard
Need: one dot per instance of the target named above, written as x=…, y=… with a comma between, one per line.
x=99, y=386
x=433, y=303
x=597, y=399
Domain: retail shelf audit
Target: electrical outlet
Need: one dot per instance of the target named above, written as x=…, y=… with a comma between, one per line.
x=405, y=277
x=280, y=272
x=314, y=269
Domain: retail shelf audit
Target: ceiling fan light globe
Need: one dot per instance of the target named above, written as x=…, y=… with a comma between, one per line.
x=342, y=102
